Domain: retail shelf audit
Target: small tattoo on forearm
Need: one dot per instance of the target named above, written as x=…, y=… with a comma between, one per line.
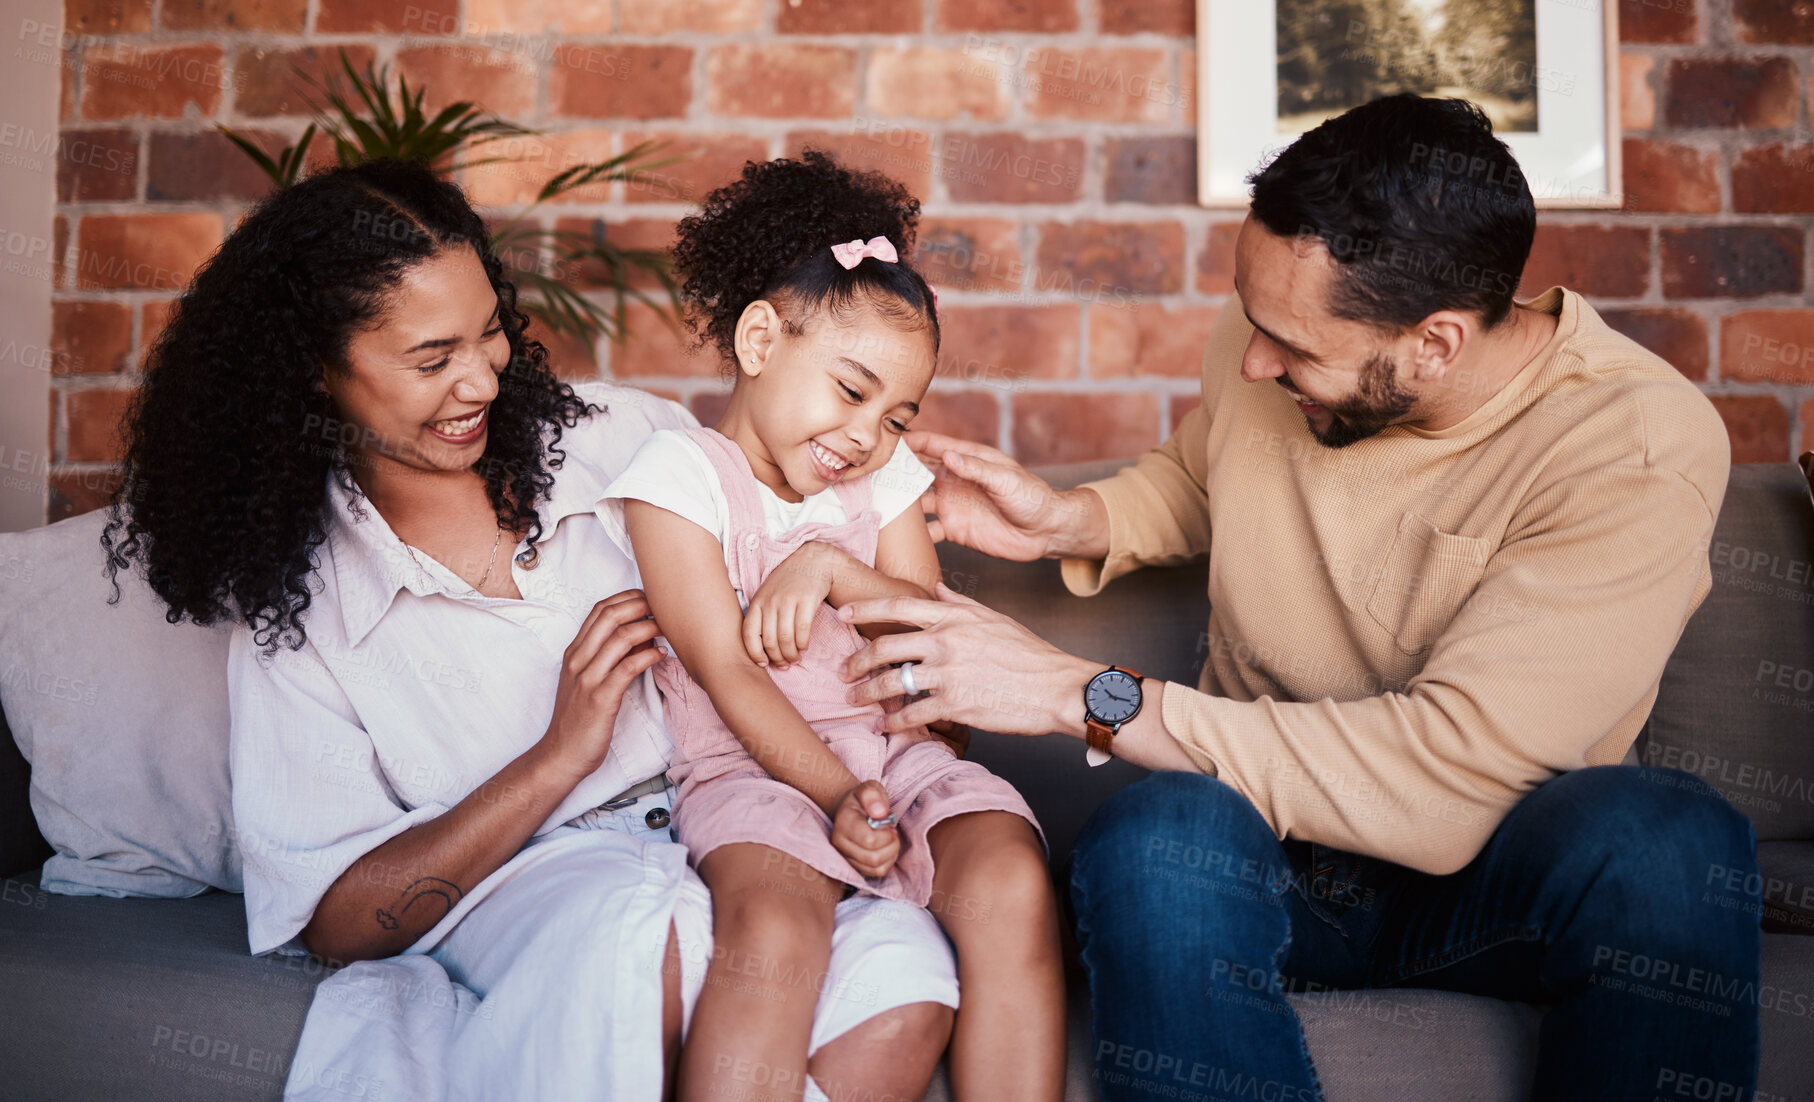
x=449, y=892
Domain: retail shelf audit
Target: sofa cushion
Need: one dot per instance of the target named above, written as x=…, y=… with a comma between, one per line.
x=22, y=846
x=1409, y=1045
x=123, y=717
x=1736, y=706
x=1787, y=869
x=1785, y=1007
x=1395, y=1045
x=151, y=999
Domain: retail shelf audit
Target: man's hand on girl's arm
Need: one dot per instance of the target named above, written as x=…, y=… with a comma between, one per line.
x=983, y=669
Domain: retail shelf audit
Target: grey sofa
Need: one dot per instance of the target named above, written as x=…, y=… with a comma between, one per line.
x=158, y=999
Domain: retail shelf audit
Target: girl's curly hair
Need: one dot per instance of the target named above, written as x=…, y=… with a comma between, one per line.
x=768, y=235
x=231, y=439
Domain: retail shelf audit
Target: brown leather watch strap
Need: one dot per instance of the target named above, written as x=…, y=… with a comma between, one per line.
x=1099, y=735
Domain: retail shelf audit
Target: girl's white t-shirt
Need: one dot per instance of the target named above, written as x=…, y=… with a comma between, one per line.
x=672, y=471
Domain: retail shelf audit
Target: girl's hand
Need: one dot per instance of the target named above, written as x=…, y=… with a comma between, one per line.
x=870, y=850
x=955, y=736
x=779, y=621
x=614, y=646
x=950, y=734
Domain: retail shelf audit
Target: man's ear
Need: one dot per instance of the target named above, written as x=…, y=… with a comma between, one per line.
x=758, y=330
x=1441, y=338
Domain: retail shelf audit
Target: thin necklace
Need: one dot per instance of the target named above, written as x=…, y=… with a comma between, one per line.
x=493, y=561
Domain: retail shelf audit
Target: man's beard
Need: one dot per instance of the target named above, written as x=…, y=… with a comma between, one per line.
x=1379, y=402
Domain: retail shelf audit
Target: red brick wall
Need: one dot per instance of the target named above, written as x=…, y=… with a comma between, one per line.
x=1078, y=277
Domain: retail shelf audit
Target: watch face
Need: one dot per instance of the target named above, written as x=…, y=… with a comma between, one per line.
x=1112, y=697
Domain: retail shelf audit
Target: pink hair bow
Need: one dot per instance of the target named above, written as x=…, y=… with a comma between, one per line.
x=851, y=253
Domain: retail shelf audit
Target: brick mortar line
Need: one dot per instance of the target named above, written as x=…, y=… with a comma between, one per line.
x=503, y=42
x=500, y=38
x=386, y=46
x=947, y=41
x=1718, y=26
x=1729, y=136
x=1115, y=212
x=1709, y=308
x=1115, y=384
x=1737, y=51
x=862, y=124
x=716, y=125
x=544, y=74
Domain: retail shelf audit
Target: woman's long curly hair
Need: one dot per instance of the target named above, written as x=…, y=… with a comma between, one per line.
x=768, y=235
x=231, y=438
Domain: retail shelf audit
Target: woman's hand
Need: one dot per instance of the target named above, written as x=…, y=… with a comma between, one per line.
x=985, y=500
x=614, y=646
x=368, y=911
x=870, y=850
x=778, y=623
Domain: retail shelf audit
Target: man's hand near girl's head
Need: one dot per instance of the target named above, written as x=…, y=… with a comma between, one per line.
x=984, y=500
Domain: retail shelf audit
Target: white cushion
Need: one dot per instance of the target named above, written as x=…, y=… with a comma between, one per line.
x=123, y=717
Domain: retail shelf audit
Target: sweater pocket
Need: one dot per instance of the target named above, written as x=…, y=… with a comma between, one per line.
x=1428, y=575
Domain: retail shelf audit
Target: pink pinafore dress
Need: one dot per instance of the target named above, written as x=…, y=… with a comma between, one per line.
x=726, y=797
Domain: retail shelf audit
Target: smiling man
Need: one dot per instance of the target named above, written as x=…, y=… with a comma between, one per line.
x=1452, y=540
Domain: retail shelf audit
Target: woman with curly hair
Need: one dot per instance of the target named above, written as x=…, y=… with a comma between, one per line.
x=447, y=764
x=750, y=536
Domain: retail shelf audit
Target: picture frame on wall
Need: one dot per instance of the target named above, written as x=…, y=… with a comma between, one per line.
x=1545, y=72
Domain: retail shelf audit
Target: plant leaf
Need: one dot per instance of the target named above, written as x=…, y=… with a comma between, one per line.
x=366, y=119
x=271, y=168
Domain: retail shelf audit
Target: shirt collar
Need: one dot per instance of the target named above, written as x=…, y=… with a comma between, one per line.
x=372, y=564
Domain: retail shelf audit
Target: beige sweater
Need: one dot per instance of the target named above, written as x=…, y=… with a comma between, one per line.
x=1410, y=633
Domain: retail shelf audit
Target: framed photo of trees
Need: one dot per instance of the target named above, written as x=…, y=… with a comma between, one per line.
x=1544, y=71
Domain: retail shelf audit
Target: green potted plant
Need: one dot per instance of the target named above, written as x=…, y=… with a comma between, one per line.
x=375, y=120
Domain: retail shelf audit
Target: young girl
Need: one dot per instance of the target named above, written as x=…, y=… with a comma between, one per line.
x=748, y=538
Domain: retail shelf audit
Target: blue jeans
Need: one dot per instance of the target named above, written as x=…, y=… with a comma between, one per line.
x=1603, y=896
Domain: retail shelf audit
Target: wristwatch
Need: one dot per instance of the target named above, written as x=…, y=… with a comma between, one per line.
x=1110, y=699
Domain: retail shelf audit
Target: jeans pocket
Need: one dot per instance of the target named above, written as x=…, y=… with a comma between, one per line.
x=1334, y=879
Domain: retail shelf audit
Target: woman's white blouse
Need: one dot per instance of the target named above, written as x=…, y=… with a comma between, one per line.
x=413, y=690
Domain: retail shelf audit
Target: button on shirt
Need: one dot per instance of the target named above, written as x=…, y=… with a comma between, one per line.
x=412, y=689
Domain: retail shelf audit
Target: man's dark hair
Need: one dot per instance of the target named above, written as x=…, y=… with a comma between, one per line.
x=1422, y=208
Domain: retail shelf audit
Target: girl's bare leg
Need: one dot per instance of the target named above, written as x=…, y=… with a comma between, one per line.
x=771, y=935
x=890, y=1056
x=992, y=894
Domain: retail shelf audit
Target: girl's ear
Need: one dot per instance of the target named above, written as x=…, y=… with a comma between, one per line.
x=758, y=330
